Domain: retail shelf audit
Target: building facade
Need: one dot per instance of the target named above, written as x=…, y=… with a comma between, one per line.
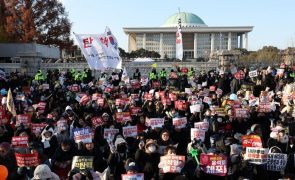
x=199, y=40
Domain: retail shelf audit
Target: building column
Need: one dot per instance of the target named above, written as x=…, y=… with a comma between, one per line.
x=241, y=41
x=161, y=46
x=132, y=42
x=212, y=42
x=245, y=40
x=195, y=45
x=229, y=41
x=144, y=41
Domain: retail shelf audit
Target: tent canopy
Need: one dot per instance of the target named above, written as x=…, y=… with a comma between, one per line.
x=143, y=60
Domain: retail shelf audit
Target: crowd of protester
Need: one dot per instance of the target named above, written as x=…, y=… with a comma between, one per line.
x=163, y=107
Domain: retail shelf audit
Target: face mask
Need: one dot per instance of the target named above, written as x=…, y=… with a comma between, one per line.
x=152, y=148
x=121, y=149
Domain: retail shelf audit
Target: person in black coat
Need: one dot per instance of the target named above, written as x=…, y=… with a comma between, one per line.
x=49, y=141
x=89, y=149
x=148, y=159
x=62, y=158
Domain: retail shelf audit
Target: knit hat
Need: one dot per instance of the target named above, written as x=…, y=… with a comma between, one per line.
x=131, y=167
x=69, y=108
x=151, y=141
x=42, y=171
x=119, y=140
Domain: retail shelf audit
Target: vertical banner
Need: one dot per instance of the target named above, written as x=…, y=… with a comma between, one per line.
x=214, y=164
x=10, y=103
x=179, y=46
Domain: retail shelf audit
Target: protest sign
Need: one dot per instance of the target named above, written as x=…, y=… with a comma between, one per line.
x=197, y=134
x=135, y=84
x=219, y=91
x=179, y=122
x=110, y=133
x=144, y=80
x=74, y=88
x=96, y=96
x=253, y=74
x=195, y=108
x=264, y=107
x=276, y=161
x=280, y=72
x=123, y=117
x=251, y=141
x=135, y=97
x=108, y=89
x=61, y=124
x=130, y=131
x=82, y=162
x=214, y=164
x=212, y=88
x=36, y=128
x=202, y=125
x=188, y=91
x=241, y=113
x=20, y=141
x=148, y=96
x=97, y=121
x=156, y=84
x=28, y=160
x=100, y=101
x=154, y=122
x=45, y=86
x=82, y=135
x=172, y=96
x=181, y=105
x=240, y=75
x=25, y=119
x=134, y=111
x=184, y=70
x=138, y=176
x=166, y=101
x=207, y=100
x=171, y=163
x=256, y=155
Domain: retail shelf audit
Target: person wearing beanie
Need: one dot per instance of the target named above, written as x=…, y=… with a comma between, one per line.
x=49, y=140
x=62, y=158
x=117, y=157
x=148, y=158
x=43, y=172
x=90, y=149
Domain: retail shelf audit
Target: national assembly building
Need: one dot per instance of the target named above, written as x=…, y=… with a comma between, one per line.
x=199, y=39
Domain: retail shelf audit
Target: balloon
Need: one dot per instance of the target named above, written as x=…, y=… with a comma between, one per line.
x=3, y=172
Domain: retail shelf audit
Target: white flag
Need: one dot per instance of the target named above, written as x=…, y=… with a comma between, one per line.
x=2, y=75
x=100, y=50
x=179, y=47
x=124, y=74
x=89, y=44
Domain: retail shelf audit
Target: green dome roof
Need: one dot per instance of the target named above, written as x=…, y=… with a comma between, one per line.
x=187, y=20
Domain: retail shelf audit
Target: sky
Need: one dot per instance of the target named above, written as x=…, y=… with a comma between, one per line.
x=273, y=20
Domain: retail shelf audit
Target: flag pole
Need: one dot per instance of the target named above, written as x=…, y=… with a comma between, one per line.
x=179, y=24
